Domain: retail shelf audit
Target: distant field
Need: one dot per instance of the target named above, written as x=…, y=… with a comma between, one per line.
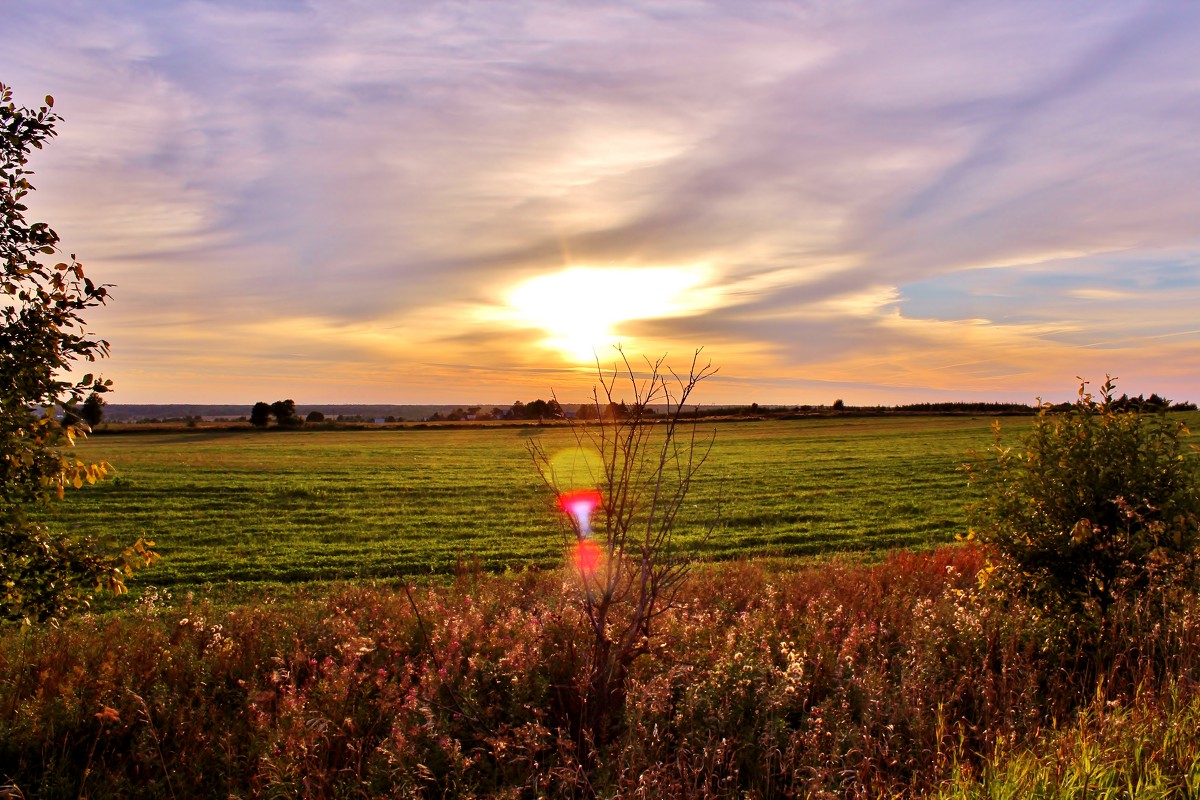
x=318, y=505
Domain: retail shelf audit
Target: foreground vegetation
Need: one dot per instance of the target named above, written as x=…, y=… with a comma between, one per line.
x=326, y=505
x=840, y=680
x=979, y=670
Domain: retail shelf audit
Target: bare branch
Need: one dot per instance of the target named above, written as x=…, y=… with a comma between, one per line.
x=648, y=462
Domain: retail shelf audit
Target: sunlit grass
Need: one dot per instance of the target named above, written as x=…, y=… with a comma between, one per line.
x=321, y=505
x=1147, y=749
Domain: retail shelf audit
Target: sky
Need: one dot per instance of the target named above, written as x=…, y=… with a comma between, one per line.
x=377, y=201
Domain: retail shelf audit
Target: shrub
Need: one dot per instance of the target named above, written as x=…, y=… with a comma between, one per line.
x=629, y=569
x=1096, y=502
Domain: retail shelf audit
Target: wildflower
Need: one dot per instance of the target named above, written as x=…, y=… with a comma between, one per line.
x=108, y=715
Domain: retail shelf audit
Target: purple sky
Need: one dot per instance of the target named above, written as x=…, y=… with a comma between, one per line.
x=459, y=202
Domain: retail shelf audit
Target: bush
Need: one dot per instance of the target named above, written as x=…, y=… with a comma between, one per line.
x=1097, y=502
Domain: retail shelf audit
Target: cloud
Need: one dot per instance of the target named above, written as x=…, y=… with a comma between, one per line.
x=947, y=197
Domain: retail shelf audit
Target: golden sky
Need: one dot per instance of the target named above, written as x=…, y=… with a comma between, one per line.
x=468, y=202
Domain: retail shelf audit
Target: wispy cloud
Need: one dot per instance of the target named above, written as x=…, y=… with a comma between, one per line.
x=906, y=199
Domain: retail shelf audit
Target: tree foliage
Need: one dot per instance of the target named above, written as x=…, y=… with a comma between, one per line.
x=42, y=338
x=284, y=412
x=285, y=415
x=93, y=410
x=260, y=415
x=1097, y=501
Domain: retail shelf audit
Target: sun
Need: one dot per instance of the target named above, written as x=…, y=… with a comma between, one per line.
x=581, y=308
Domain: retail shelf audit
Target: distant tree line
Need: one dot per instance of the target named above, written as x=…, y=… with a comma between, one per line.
x=967, y=408
x=1150, y=404
x=536, y=410
x=839, y=407
x=542, y=410
x=285, y=415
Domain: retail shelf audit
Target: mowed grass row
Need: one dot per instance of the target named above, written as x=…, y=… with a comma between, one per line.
x=335, y=505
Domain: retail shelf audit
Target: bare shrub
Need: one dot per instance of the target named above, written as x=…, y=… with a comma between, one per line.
x=630, y=568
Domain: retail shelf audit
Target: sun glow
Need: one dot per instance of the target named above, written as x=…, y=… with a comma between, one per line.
x=581, y=308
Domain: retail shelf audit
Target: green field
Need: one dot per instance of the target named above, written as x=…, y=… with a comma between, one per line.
x=327, y=504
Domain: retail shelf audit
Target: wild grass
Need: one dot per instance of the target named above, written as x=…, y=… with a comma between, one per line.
x=344, y=505
x=1145, y=750
x=839, y=680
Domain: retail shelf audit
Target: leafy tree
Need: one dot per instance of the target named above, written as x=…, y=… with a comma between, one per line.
x=42, y=338
x=542, y=409
x=315, y=417
x=93, y=409
x=614, y=411
x=1095, y=502
x=260, y=415
x=284, y=412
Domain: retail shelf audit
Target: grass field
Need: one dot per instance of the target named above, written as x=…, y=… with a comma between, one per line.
x=320, y=505
x=904, y=677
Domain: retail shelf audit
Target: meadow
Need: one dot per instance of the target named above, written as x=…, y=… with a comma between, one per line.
x=287, y=506
x=891, y=671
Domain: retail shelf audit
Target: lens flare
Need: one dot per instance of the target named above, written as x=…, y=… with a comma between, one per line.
x=587, y=557
x=575, y=468
x=579, y=505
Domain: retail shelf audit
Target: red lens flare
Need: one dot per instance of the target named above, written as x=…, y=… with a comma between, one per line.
x=579, y=505
x=587, y=557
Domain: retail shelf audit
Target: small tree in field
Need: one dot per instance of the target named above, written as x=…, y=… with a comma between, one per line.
x=93, y=410
x=42, y=337
x=628, y=565
x=1096, y=502
x=260, y=414
x=285, y=415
